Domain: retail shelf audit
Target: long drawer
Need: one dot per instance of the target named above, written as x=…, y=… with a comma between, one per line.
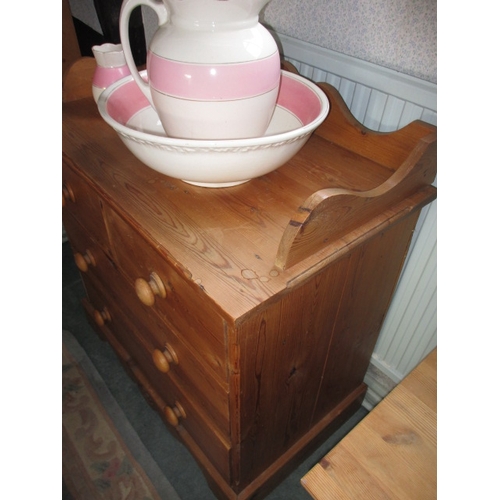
x=81, y=202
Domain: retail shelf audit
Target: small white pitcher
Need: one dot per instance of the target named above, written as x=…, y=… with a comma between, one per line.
x=111, y=67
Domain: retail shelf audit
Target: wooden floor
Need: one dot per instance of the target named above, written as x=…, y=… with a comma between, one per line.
x=391, y=454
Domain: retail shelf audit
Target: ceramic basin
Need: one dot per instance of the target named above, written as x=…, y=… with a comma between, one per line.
x=301, y=107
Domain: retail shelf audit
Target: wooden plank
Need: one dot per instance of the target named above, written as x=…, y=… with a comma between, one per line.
x=373, y=272
x=320, y=482
x=388, y=149
x=77, y=79
x=391, y=454
x=329, y=214
x=282, y=359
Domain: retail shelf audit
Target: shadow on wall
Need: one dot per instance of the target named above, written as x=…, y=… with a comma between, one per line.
x=108, y=15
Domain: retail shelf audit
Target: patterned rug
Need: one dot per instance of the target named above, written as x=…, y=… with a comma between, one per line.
x=102, y=455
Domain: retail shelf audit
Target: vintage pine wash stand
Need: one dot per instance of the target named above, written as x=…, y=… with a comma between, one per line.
x=247, y=315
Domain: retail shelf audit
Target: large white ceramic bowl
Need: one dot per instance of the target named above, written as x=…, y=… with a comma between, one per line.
x=301, y=107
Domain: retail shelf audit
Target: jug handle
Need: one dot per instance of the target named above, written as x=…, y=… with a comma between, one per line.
x=127, y=7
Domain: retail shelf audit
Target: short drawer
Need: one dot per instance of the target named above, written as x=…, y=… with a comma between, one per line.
x=88, y=254
x=170, y=358
x=168, y=292
x=83, y=203
x=194, y=415
x=176, y=403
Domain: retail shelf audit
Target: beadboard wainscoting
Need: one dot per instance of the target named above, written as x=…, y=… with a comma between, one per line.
x=385, y=100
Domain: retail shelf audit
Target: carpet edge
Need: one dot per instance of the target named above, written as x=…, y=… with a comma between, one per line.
x=127, y=433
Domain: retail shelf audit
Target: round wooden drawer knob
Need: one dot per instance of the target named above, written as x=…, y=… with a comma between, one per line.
x=174, y=414
x=146, y=290
x=67, y=195
x=163, y=359
x=102, y=317
x=84, y=260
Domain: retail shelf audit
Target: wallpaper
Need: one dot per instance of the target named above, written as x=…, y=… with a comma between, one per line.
x=397, y=34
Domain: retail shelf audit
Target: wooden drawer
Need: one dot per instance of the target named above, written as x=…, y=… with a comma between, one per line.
x=82, y=202
x=154, y=335
x=88, y=254
x=198, y=423
x=109, y=318
x=184, y=307
x=185, y=368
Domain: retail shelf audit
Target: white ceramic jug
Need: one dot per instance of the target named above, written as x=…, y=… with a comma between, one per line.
x=213, y=69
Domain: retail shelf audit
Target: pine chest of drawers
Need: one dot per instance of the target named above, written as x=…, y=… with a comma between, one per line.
x=248, y=314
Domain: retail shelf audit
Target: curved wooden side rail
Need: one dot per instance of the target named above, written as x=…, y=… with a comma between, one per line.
x=389, y=149
x=77, y=81
x=329, y=214
x=288, y=66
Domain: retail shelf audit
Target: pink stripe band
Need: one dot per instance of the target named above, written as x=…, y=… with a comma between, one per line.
x=126, y=101
x=294, y=96
x=104, y=77
x=214, y=81
x=300, y=100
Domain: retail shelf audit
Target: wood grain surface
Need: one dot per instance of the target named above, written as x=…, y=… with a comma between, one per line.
x=391, y=454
